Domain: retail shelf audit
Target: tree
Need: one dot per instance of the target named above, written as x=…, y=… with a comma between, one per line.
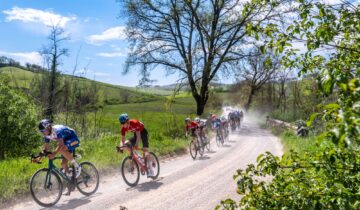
x=53, y=53
x=195, y=38
x=329, y=177
x=17, y=122
x=257, y=70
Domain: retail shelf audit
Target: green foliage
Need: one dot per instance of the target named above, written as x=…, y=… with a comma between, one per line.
x=328, y=177
x=17, y=122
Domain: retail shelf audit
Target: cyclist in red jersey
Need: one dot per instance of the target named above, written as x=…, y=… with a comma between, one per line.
x=192, y=127
x=140, y=133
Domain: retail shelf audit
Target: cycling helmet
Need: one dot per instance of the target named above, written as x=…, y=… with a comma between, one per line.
x=213, y=117
x=123, y=118
x=187, y=119
x=223, y=118
x=197, y=119
x=45, y=123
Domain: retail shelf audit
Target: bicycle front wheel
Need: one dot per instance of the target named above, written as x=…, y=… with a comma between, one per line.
x=45, y=187
x=153, y=164
x=193, y=149
x=88, y=181
x=218, y=140
x=207, y=143
x=201, y=147
x=130, y=171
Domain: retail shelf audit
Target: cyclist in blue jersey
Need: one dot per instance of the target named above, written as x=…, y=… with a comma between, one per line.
x=67, y=141
x=216, y=125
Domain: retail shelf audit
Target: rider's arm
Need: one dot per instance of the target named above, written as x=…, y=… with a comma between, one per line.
x=122, y=140
x=138, y=138
x=46, y=146
x=59, y=147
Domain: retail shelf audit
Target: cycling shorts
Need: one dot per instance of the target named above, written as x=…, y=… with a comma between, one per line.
x=144, y=139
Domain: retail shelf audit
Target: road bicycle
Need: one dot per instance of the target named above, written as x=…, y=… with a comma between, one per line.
x=219, y=138
x=197, y=146
x=46, y=185
x=134, y=164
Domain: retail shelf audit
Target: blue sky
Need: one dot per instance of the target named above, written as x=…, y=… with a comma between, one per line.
x=94, y=26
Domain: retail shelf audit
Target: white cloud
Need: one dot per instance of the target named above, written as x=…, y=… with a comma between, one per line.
x=111, y=54
x=24, y=57
x=28, y=15
x=115, y=33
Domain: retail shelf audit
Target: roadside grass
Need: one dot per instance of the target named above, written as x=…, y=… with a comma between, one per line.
x=298, y=144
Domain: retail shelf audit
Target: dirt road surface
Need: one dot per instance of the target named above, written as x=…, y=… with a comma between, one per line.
x=183, y=183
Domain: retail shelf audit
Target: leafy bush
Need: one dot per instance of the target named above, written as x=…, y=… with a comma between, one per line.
x=18, y=134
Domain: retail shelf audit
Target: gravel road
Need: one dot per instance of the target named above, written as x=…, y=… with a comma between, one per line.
x=183, y=183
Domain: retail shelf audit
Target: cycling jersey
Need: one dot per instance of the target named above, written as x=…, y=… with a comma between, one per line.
x=192, y=125
x=134, y=126
x=216, y=123
x=68, y=135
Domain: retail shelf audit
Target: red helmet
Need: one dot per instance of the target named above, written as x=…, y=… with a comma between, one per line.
x=213, y=117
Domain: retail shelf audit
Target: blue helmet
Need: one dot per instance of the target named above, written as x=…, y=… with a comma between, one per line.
x=123, y=118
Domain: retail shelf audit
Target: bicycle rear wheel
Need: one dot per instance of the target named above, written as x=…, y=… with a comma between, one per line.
x=130, y=171
x=45, y=187
x=88, y=181
x=153, y=164
x=193, y=149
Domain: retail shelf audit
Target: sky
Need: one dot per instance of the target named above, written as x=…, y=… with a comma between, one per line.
x=96, y=30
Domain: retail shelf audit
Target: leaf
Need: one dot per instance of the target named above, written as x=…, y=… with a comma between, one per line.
x=311, y=119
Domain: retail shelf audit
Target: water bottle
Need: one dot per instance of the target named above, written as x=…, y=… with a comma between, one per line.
x=139, y=157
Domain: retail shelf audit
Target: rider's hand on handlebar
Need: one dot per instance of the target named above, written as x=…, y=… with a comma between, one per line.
x=119, y=149
x=51, y=156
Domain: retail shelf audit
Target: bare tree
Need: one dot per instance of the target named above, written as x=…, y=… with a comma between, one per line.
x=257, y=70
x=196, y=38
x=53, y=53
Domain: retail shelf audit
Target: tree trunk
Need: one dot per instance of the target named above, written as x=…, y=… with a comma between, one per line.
x=200, y=106
x=249, y=101
x=49, y=111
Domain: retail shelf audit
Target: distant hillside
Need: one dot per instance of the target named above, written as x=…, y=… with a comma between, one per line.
x=111, y=94
x=171, y=87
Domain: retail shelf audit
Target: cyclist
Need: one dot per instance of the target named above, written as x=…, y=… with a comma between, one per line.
x=202, y=127
x=191, y=126
x=140, y=133
x=237, y=118
x=67, y=141
x=225, y=125
x=231, y=119
x=216, y=125
x=241, y=115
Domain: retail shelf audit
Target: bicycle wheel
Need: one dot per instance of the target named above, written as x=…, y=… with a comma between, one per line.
x=88, y=181
x=218, y=140
x=153, y=162
x=193, y=149
x=201, y=147
x=45, y=187
x=130, y=171
x=207, y=143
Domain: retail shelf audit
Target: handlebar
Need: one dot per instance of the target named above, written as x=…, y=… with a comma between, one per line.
x=120, y=149
x=38, y=157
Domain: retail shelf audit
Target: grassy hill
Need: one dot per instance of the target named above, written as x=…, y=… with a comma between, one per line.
x=112, y=94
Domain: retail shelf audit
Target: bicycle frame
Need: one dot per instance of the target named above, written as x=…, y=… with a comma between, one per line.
x=143, y=167
x=52, y=167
